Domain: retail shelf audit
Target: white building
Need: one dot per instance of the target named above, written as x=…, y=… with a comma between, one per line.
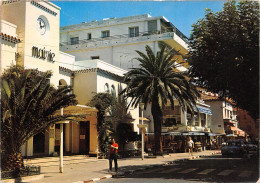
x=224, y=121
x=96, y=76
x=115, y=40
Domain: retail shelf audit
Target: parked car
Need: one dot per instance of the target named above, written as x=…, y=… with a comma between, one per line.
x=234, y=147
x=251, y=148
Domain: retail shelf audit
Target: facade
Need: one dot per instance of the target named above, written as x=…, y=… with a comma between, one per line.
x=248, y=124
x=96, y=76
x=115, y=40
x=30, y=38
x=224, y=120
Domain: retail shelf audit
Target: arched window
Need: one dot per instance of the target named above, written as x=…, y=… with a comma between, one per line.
x=113, y=90
x=62, y=83
x=106, y=88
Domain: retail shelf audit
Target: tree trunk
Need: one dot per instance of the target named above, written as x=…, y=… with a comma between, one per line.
x=157, y=117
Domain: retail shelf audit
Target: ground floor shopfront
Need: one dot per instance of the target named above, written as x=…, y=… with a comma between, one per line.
x=79, y=137
x=176, y=142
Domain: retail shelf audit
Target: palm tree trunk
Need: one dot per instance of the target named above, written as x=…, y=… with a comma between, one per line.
x=157, y=117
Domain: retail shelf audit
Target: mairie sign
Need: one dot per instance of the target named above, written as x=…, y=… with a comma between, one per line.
x=43, y=54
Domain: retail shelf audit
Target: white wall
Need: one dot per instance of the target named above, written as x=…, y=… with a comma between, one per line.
x=8, y=49
x=217, y=117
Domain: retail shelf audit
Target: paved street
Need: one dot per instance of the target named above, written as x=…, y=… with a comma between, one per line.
x=206, y=169
x=81, y=168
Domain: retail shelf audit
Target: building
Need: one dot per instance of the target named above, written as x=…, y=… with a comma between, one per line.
x=114, y=40
x=96, y=76
x=224, y=121
x=248, y=124
x=30, y=38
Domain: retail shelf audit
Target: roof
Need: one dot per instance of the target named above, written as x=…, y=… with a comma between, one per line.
x=77, y=110
x=91, y=70
x=9, y=38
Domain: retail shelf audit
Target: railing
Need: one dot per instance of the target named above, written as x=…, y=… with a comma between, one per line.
x=26, y=171
x=122, y=36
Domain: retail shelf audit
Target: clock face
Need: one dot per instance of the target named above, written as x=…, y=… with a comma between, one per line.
x=41, y=26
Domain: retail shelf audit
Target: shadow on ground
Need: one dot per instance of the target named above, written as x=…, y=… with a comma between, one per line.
x=217, y=164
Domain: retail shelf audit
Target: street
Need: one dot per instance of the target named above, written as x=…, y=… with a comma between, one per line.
x=207, y=169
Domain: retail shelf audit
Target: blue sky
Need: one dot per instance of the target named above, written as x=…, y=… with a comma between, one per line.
x=181, y=13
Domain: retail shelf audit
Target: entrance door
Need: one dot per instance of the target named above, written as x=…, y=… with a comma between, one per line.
x=38, y=142
x=84, y=137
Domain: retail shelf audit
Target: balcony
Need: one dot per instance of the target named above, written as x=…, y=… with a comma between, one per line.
x=126, y=39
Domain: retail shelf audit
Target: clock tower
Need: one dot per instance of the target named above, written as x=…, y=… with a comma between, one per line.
x=38, y=29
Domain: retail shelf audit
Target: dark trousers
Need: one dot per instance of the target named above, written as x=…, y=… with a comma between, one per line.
x=111, y=158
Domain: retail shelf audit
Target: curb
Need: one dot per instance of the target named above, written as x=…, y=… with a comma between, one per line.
x=119, y=174
x=24, y=179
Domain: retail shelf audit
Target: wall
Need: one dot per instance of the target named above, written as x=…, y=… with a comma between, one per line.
x=8, y=49
x=217, y=116
x=85, y=86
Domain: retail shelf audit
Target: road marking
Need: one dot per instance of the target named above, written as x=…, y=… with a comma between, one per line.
x=204, y=172
x=171, y=170
x=226, y=172
x=188, y=170
x=245, y=174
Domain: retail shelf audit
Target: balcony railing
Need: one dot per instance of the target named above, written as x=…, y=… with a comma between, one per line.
x=120, y=37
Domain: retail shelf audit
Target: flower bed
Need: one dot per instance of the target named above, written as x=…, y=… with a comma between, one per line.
x=26, y=171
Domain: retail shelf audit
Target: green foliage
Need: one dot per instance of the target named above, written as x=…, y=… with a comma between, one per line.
x=103, y=102
x=157, y=82
x=224, y=53
x=28, y=103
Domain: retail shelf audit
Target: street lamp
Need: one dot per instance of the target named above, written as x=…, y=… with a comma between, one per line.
x=142, y=109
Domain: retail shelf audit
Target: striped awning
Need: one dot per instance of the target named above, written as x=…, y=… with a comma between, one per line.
x=202, y=109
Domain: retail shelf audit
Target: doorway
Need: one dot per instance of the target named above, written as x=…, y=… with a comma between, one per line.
x=38, y=142
x=84, y=136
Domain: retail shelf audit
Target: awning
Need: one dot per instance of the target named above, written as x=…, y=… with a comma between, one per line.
x=193, y=133
x=202, y=109
x=231, y=135
x=211, y=134
x=166, y=133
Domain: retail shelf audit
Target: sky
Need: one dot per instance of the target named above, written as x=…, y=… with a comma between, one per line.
x=181, y=13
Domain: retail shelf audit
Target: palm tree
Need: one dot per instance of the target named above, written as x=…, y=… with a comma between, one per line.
x=28, y=103
x=156, y=82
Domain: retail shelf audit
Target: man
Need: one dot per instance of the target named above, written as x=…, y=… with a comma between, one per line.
x=190, y=146
x=113, y=155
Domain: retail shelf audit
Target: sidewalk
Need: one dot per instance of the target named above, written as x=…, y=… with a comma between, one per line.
x=82, y=169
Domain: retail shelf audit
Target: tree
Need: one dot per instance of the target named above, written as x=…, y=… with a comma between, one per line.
x=156, y=82
x=103, y=102
x=125, y=134
x=28, y=103
x=121, y=118
x=224, y=53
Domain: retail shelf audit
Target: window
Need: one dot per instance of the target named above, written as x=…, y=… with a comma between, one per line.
x=105, y=34
x=219, y=125
x=168, y=122
x=134, y=31
x=113, y=90
x=89, y=36
x=106, y=88
x=74, y=40
x=203, y=119
x=196, y=120
x=94, y=57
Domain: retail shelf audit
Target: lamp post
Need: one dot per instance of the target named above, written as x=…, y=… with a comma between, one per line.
x=61, y=144
x=142, y=109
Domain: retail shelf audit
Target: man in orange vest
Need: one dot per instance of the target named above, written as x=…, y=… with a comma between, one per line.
x=113, y=154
